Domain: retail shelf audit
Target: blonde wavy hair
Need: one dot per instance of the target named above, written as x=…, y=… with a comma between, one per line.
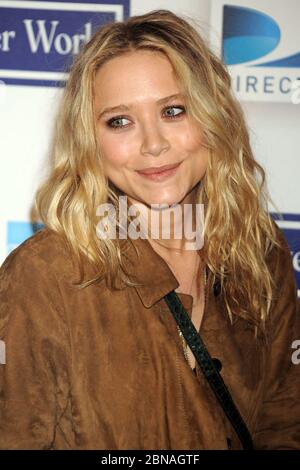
x=238, y=231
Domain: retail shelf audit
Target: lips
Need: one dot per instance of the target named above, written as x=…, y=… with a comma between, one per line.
x=157, y=170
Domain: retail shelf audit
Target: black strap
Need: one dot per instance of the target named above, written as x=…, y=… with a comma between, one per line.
x=208, y=367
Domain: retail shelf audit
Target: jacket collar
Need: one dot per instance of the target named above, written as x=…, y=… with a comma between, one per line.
x=146, y=267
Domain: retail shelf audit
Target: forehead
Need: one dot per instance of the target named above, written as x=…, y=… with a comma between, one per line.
x=134, y=74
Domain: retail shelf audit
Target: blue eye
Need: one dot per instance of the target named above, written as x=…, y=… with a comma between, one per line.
x=111, y=122
x=175, y=107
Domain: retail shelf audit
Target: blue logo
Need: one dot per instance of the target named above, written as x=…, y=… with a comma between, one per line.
x=249, y=35
x=290, y=225
x=18, y=232
x=38, y=39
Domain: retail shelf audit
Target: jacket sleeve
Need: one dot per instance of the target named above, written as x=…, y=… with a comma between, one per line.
x=34, y=374
x=278, y=423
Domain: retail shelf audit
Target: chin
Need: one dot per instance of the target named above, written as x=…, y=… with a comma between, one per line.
x=163, y=201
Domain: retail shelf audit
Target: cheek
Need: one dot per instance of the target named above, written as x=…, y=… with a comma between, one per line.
x=195, y=147
x=191, y=139
x=114, y=153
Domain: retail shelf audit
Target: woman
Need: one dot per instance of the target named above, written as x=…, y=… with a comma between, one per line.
x=94, y=357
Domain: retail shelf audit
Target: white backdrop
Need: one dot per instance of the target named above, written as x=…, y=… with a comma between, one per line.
x=27, y=112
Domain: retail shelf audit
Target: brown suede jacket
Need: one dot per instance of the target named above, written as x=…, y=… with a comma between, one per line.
x=101, y=369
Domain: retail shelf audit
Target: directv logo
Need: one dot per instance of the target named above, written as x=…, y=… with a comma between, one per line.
x=260, y=52
x=38, y=40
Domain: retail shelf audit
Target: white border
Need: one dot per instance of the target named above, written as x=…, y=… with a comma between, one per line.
x=292, y=224
x=33, y=75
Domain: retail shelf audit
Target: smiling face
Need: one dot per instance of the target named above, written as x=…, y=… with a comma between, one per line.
x=152, y=132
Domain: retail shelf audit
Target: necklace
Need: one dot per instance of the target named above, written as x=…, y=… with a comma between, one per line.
x=179, y=250
x=183, y=341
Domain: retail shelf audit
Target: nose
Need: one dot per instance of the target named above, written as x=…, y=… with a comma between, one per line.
x=154, y=142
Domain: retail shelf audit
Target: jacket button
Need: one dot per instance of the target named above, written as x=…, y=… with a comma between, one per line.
x=218, y=364
x=217, y=288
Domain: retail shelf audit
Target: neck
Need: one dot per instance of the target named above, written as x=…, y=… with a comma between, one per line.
x=166, y=228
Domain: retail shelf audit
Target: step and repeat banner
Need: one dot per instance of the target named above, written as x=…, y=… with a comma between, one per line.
x=259, y=41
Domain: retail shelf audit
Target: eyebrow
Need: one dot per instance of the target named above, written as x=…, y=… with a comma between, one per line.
x=123, y=107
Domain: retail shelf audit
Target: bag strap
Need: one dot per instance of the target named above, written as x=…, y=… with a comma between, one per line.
x=208, y=367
